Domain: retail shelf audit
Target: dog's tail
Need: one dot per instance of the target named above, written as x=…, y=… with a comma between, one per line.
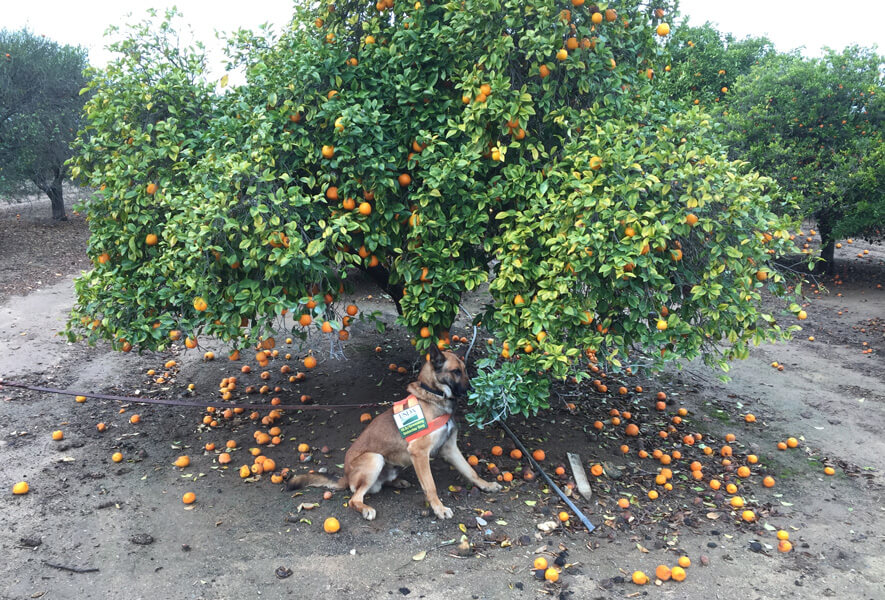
x=316, y=480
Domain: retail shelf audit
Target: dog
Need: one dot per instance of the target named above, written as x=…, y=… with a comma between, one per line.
x=410, y=433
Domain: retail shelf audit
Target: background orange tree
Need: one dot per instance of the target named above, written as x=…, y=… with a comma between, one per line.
x=439, y=147
x=816, y=125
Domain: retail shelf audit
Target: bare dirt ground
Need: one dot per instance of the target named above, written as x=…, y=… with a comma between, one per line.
x=127, y=521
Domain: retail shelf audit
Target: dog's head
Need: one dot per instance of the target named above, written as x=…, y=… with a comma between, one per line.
x=445, y=372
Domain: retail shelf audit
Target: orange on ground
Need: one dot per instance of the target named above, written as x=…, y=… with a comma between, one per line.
x=116, y=457
x=662, y=572
x=189, y=498
x=540, y=563
x=678, y=573
x=331, y=525
x=539, y=455
x=639, y=578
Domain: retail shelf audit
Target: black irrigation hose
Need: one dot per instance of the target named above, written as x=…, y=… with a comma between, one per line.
x=139, y=400
x=590, y=527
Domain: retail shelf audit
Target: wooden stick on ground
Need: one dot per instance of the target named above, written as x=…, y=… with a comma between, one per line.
x=71, y=569
x=580, y=476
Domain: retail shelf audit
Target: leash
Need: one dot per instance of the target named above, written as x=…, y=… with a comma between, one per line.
x=590, y=527
x=134, y=399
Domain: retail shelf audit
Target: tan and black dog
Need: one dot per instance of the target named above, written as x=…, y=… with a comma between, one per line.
x=389, y=443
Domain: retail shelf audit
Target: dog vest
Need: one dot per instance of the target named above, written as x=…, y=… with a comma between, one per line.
x=410, y=419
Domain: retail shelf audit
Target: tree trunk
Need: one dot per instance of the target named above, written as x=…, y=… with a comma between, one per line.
x=54, y=190
x=828, y=246
x=56, y=197
x=381, y=277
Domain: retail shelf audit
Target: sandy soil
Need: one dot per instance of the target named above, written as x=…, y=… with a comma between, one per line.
x=127, y=520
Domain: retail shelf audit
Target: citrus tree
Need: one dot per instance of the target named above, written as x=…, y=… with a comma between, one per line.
x=439, y=148
x=40, y=108
x=705, y=63
x=815, y=125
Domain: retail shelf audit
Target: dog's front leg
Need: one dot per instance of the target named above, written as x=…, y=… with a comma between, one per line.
x=421, y=461
x=452, y=454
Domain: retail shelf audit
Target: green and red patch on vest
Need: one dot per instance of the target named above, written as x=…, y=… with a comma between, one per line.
x=410, y=419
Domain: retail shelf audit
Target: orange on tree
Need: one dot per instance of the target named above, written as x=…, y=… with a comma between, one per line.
x=481, y=225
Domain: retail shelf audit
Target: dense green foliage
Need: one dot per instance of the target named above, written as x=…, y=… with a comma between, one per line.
x=705, y=63
x=815, y=125
x=40, y=109
x=438, y=147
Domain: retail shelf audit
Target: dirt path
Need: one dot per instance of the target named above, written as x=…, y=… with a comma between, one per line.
x=86, y=511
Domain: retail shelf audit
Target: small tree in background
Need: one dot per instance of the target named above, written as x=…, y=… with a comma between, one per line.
x=815, y=125
x=40, y=106
x=705, y=63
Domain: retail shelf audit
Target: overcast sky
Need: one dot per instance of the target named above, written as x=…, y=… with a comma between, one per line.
x=788, y=23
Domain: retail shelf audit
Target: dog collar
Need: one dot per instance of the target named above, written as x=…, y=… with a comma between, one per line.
x=410, y=419
x=432, y=391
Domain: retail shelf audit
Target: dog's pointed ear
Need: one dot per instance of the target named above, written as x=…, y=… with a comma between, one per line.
x=436, y=357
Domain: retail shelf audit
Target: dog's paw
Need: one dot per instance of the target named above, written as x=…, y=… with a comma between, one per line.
x=491, y=486
x=400, y=484
x=443, y=512
x=369, y=513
